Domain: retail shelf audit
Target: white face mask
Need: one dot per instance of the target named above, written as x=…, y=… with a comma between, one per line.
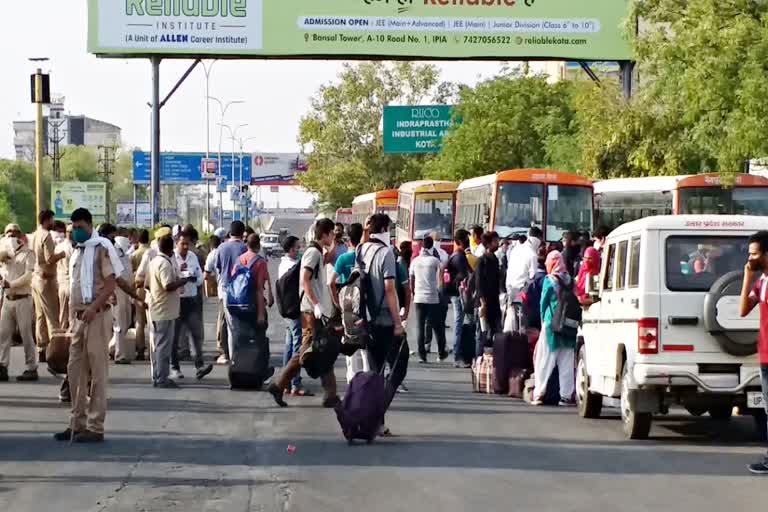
x=382, y=237
x=15, y=244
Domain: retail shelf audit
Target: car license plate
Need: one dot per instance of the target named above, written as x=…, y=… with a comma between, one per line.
x=754, y=400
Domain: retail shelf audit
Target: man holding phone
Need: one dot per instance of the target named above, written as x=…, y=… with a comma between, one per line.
x=754, y=291
x=164, y=285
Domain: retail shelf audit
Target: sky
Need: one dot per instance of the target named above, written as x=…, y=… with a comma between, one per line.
x=276, y=93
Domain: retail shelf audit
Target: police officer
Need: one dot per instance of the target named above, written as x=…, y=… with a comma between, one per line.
x=95, y=267
x=18, y=262
x=45, y=292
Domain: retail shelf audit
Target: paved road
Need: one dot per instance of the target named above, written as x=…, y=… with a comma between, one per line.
x=206, y=448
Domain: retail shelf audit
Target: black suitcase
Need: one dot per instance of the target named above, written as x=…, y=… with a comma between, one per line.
x=249, y=366
x=510, y=353
x=467, y=343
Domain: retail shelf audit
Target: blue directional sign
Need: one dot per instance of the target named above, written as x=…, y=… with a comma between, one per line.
x=185, y=168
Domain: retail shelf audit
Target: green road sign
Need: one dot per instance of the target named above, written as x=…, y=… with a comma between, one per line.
x=406, y=29
x=417, y=128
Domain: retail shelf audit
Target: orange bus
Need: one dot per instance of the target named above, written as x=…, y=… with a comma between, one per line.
x=383, y=201
x=510, y=202
x=344, y=215
x=424, y=207
x=622, y=200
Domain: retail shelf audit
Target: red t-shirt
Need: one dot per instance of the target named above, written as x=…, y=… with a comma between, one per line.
x=759, y=292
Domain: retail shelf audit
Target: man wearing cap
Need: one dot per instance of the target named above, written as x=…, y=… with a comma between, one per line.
x=18, y=263
x=45, y=293
x=141, y=279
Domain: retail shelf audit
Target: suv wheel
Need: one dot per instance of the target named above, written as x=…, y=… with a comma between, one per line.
x=637, y=425
x=590, y=404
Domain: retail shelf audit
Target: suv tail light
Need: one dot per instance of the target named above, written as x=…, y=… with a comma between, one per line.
x=648, y=336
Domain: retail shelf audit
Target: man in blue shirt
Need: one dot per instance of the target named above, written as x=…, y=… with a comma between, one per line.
x=226, y=259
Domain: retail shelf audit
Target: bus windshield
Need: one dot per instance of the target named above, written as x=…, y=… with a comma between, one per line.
x=434, y=212
x=716, y=200
x=569, y=208
x=518, y=207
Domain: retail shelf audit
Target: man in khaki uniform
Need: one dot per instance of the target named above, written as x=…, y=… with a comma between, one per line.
x=93, y=282
x=18, y=262
x=44, y=290
x=62, y=278
x=141, y=313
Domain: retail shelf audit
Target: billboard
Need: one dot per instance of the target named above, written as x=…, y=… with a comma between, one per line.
x=185, y=168
x=416, y=128
x=418, y=29
x=125, y=214
x=67, y=196
x=276, y=168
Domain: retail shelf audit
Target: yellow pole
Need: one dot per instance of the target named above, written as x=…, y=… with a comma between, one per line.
x=39, y=144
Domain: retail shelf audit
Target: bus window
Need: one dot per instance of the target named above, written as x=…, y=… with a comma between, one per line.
x=518, y=207
x=569, y=208
x=434, y=212
x=704, y=200
x=750, y=201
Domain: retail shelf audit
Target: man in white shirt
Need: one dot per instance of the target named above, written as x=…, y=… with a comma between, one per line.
x=523, y=263
x=425, y=285
x=190, y=320
x=478, y=249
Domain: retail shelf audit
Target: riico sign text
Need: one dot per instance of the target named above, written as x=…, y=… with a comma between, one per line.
x=574, y=30
x=417, y=128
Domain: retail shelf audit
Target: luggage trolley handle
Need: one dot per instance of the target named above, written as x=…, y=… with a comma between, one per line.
x=397, y=359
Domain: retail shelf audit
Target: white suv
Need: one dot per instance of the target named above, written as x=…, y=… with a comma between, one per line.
x=666, y=327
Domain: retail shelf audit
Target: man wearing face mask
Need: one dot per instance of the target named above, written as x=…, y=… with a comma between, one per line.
x=18, y=263
x=45, y=293
x=94, y=268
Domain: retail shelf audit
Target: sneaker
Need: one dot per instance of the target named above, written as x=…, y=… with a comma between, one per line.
x=277, y=394
x=413, y=352
x=176, y=375
x=122, y=361
x=537, y=401
x=89, y=437
x=28, y=376
x=567, y=403
x=467, y=365
x=402, y=389
x=166, y=384
x=203, y=371
x=443, y=357
x=222, y=360
x=458, y=364
x=65, y=398
x=422, y=360
x=3, y=374
x=65, y=436
x=761, y=468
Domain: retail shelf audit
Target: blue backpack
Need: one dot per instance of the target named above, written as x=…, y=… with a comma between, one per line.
x=240, y=287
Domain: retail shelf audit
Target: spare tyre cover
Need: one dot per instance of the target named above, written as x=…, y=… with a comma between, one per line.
x=734, y=341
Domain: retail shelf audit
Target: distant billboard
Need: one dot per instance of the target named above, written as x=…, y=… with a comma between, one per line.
x=67, y=196
x=416, y=29
x=276, y=169
x=127, y=217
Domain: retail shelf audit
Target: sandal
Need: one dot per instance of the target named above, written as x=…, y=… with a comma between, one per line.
x=302, y=392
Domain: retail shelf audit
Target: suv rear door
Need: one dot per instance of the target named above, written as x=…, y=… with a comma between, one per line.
x=690, y=263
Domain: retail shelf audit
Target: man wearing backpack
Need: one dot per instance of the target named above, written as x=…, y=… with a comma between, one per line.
x=226, y=258
x=312, y=287
x=288, y=263
x=458, y=271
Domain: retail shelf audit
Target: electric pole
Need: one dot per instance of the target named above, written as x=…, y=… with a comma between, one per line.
x=107, y=161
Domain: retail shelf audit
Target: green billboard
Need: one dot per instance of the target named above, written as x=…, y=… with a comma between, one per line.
x=418, y=29
x=416, y=128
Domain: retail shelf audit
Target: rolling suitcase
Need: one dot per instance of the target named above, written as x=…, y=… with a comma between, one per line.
x=249, y=366
x=467, y=343
x=511, y=353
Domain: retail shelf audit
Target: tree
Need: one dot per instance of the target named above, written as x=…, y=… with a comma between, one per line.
x=508, y=122
x=17, y=194
x=704, y=64
x=343, y=130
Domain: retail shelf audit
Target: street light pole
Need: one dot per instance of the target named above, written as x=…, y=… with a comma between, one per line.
x=233, y=137
x=223, y=109
x=207, y=70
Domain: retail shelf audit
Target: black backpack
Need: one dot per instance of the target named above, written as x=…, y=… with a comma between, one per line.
x=567, y=317
x=287, y=289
